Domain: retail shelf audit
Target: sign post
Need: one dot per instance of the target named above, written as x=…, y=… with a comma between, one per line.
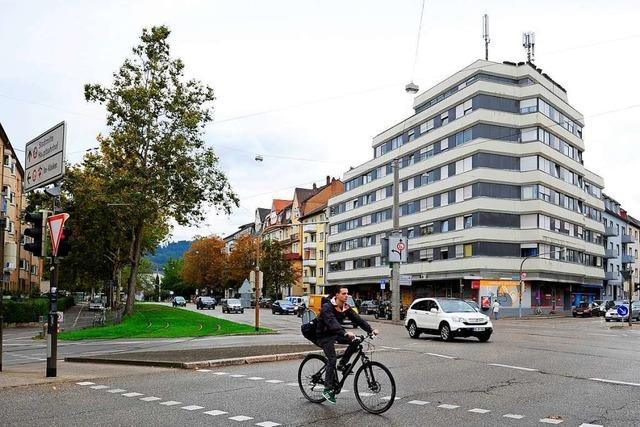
x=44, y=158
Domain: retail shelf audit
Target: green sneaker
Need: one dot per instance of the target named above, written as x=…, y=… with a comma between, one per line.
x=329, y=395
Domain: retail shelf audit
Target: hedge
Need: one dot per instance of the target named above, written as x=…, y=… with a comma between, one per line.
x=31, y=310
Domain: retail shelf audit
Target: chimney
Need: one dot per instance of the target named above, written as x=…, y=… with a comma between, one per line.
x=328, y=179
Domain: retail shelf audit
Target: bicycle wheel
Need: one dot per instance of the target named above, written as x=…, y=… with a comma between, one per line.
x=374, y=387
x=311, y=377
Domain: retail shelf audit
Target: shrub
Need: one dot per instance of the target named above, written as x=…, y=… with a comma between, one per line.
x=31, y=310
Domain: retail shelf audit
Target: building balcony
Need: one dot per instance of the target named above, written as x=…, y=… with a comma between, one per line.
x=309, y=279
x=294, y=256
x=628, y=238
x=610, y=231
x=310, y=228
x=610, y=253
x=628, y=259
x=612, y=276
x=309, y=262
x=309, y=245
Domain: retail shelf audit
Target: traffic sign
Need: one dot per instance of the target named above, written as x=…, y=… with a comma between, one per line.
x=44, y=158
x=405, y=280
x=56, y=227
x=398, y=246
x=523, y=275
x=383, y=284
x=622, y=310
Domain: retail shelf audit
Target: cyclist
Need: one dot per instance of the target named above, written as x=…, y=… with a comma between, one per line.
x=330, y=331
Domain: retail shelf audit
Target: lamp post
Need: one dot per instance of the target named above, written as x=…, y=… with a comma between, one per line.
x=520, y=288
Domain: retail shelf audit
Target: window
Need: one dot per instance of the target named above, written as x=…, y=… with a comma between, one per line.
x=320, y=237
x=528, y=163
x=444, y=253
x=444, y=226
x=321, y=254
x=444, y=199
x=444, y=117
x=468, y=250
x=529, y=134
x=321, y=272
x=464, y=165
x=444, y=144
x=459, y=251
x=468, y=221
x=7, y=160
x=444, y=172
x=426, y=126
x=34, y=269
x=529, y=106
x=467, y=106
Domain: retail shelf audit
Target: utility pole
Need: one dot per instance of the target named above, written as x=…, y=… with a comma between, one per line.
x=3, y=222
x=395, y=271
x=258, y=282
x=52, y=336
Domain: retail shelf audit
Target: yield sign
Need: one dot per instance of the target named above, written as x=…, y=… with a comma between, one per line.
x=56, y=225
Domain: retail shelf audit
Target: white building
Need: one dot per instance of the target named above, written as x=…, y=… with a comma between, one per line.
x=491, y=172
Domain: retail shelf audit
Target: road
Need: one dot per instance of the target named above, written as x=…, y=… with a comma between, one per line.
x=571, y=372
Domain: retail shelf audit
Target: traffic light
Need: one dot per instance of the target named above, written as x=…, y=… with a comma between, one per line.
x=64, y=246
x=36, y=232
x=637, y=287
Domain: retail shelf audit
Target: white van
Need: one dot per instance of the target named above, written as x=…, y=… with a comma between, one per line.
x=298, y=301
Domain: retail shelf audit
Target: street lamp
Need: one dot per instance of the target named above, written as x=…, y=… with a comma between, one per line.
x=521, y=290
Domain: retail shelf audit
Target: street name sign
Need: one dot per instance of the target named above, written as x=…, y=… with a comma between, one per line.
x=405, y=280
x=44, y=158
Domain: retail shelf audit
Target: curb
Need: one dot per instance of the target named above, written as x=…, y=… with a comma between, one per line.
x=217, y=363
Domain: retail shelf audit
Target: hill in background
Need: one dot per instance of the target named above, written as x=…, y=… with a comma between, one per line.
x=173, y=250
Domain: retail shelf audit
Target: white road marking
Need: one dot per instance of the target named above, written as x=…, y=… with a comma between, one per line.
x=550, y=421
x=514, y=416
x=192, y=407
x=150, y=399
x=203, y=370
x=237, y=375
x=274, y=381
x=116, y=390
x=417, y=402
x=444, y=356
x=134, y=394
x=170, y=403
x=447, y=406
x=99, y=387
x=85, y=383
x=215, y=412
x=24, y=357
x=390, y=348
x=366, y=394
x=614, y=382
x=389, y=398
x=590, y=425
x=219, y=373
x=479, y=411
x=344, y=390
x=293, y=384
x=240, y=418
x=255, y=378
x=268, y=424
x=520, y=368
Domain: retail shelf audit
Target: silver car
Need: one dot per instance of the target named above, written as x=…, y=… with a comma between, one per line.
x=612, y=313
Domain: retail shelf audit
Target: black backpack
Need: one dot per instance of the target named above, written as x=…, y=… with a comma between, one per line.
x=309, y=325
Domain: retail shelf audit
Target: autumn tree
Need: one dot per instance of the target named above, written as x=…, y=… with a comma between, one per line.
x=205, y=264
x=278, y=273
x=241, y=260
x=154, y=148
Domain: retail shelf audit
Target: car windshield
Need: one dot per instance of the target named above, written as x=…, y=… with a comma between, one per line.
x=455, y=306
x=350, y=301
x=233, y=301
x=283, y=302
x=584, y=305
x=179, y=299
x=96, y=301
x=206, y=299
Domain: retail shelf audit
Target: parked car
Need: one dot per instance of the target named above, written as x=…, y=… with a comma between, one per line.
x=265, y=302
x=448, y=318
x=283, y=307
x=205, y=302
x=179, y=302
x=583, y=309
x=612, y=313
x=96, y=304
x=232, y=305
x=599, y=307
x=385, y=311
x=368, y=306
x=300, y=304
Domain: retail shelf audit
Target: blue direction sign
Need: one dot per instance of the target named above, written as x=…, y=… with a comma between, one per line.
x=623, y=310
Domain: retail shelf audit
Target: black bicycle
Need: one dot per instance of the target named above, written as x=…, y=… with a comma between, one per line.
x=373, y=384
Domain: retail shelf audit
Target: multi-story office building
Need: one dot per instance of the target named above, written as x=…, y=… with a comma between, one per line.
x=21, y=270
x=621, y=250
x=491, y=172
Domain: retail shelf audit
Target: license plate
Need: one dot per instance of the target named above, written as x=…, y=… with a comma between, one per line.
x=478, y=329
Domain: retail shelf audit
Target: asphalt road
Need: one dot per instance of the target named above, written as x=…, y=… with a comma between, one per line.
x=539, y=372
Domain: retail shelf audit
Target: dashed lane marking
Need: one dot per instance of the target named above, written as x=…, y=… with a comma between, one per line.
x=514, y=416
x=268, y=424
x=520, y=368
x=99, y=387
x=293, y=384
x=274, y=381
x=240, y=418
x=134, y=394
x=150, y=399
x=237, y=375
x=219, y=373
x=390, y=348
x=170, y=403
x=444, y=356
x=192, y=407
x=255, y=378
x=602, y=380
x=447, y=406
x=389, y=398
x=479, y=411
x=85, y=383
x=418, y=402
x=203, y=370
x=550, y=421
x=590, y=425
x=215, y=412
x=116, y=390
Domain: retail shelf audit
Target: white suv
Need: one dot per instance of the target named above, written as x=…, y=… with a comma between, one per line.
x=448, y=318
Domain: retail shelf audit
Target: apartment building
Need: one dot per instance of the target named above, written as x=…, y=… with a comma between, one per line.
x=634, y=230
x=21, y=270
x=492, y=178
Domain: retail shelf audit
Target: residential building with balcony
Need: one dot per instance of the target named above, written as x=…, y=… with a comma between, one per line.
x=621, y=250
x=22, y=272
x=634, y=230
x=491, y=172
x=244, y=230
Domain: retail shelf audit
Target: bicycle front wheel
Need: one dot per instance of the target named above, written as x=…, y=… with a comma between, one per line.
x=311, y=377
x=374, y=387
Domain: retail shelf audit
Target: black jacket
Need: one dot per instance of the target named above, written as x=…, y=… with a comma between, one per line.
x=330, y=321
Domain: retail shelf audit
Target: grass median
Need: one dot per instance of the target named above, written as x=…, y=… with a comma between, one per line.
x=157, y=321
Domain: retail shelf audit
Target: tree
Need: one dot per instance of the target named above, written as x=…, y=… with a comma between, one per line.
x=155, y=148
x=241, y=260
x=277, y=272
x=205, y=264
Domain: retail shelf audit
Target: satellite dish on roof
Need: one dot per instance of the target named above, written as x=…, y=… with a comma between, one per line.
x=411, y=87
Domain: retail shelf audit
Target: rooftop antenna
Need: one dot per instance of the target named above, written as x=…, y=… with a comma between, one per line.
x=529, y=43
x=411, y=87
x=485, y=35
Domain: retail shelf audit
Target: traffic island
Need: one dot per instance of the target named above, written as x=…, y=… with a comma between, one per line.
x=204, y=357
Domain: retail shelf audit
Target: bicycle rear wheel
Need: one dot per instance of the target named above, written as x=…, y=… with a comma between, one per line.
x=311, y=377
x=374, y=387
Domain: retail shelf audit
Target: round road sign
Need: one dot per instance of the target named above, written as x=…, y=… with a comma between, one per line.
x=400, y=246
x=623, y=310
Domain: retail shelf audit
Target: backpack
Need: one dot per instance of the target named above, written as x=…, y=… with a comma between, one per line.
x=309, y=325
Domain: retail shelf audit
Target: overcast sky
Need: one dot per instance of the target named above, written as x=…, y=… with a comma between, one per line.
x=307, y=84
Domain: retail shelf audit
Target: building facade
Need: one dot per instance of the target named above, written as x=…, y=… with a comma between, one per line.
x=634, y=230
x=492, y=180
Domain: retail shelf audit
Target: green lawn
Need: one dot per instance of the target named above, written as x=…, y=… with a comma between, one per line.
x=157, y=321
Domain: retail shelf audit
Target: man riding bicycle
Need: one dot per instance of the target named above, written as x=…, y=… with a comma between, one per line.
x=329, y=331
